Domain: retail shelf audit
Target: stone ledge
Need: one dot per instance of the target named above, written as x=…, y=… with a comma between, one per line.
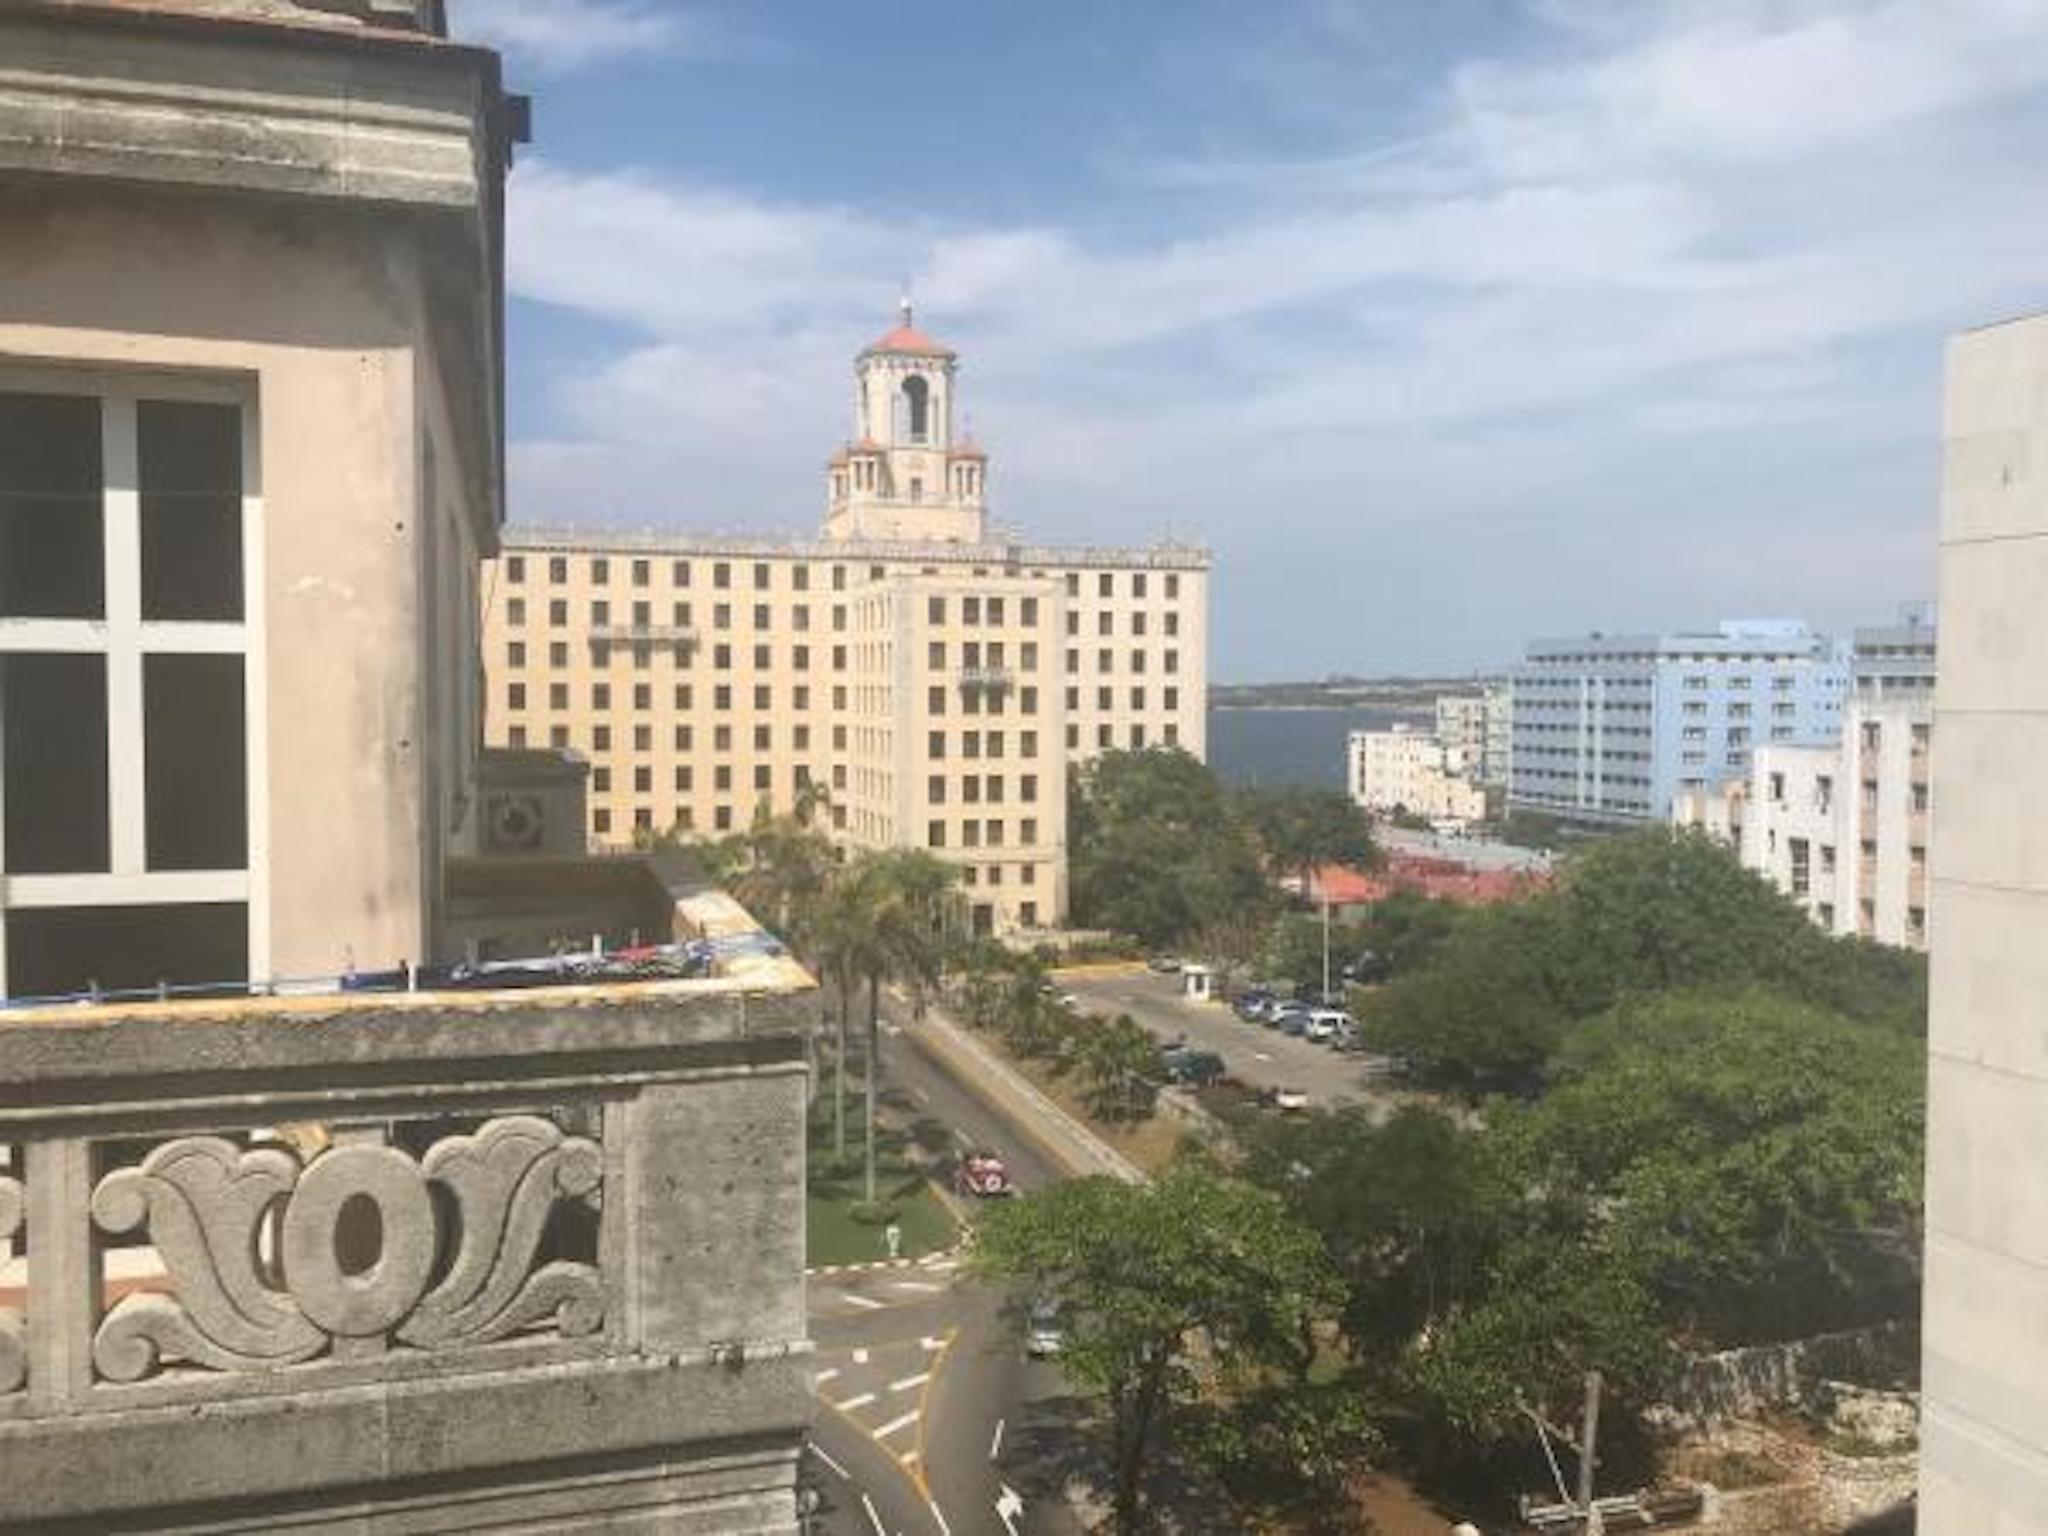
x=234, y=112
x=392, y=1442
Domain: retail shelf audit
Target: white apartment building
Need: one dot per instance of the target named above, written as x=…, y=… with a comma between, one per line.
x=933, y=676
x=1412, y=771
x=1479, y=728
x=1984, y=1333
x=1843, y=828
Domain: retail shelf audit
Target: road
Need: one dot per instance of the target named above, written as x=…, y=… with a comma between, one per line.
x=1252, y=1053
x=930, y=1418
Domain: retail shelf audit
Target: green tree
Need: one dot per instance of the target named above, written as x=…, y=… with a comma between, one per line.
x=1412, y=1212
x=1754, y=1159
x=904, y=903
x=1154, y=848
x=1145, y=1272
x=1650, y=912
x=1120, y=1061
x=1301, y=828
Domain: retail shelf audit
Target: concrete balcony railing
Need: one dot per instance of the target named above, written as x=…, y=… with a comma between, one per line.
x=985, y=679
x=676, y=636
x=406, y=1261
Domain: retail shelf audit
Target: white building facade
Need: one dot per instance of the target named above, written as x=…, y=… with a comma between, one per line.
x=1615, y=728
x=1411, y=771
x=933, y=678
x=1984, y=1361
x=1843, y=828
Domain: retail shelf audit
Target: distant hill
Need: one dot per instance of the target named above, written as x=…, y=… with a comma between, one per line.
x=1341, y=693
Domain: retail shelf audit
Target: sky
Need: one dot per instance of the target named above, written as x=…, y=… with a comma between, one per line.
x=1444, y=324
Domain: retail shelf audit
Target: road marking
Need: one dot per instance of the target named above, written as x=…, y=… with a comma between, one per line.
x=910, y=1381
x=1008, y=1508
x=962, y=1137
x=939, y=1516
x=819, y=1378
x=872, y=1305
x=916, y=1285
x=880, y=1529
x=890, y=1428
x=860, y=1357
x=920, y=1095
x=1260, y=1056
x=995, y=1446
x=826, y=1457
x=860, y=1401
x=929, y=1343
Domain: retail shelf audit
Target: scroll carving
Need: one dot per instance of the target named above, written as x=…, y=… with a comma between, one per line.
x=205, y=1202
x=13, y=1338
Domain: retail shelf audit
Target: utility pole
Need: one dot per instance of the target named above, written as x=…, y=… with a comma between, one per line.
x=1324, y=1000
x=1589, y=1439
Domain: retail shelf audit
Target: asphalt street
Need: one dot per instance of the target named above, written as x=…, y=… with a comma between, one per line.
x=1252, y=1053
x=931, y=1420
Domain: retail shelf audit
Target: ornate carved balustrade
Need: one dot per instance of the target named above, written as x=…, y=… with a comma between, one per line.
x=348, y=1249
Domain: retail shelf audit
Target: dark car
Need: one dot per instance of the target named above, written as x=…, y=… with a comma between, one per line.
x=1194, y=1068
x=1250, y=1004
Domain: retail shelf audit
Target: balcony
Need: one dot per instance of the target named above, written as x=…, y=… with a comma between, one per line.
x=985, y=680
x=419, y=1260
x=679, y=637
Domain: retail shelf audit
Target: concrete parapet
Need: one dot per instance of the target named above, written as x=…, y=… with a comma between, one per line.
x=415, y=1262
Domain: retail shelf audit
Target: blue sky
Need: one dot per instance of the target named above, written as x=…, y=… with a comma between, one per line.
x=1445, y=323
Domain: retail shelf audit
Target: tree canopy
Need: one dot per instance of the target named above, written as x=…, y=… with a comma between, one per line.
x=1633, y=916
x=1142, y=1272
x=1154, y=849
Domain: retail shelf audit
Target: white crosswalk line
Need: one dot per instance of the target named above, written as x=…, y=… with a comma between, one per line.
x=910, y=1381
x=859, y=1400
x=895, y=1424
x=865, y=1301
x=821, y=1377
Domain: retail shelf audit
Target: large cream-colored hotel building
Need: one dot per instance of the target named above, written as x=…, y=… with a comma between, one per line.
x=934, y=677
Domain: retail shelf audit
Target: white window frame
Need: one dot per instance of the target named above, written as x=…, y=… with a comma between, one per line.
x=124, y=638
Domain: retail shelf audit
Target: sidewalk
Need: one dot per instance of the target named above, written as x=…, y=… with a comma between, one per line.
x=1007, y=1091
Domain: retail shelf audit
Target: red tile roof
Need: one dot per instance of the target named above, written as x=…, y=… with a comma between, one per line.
x=910, y=340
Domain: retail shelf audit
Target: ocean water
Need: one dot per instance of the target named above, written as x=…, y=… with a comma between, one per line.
x=1292, y=746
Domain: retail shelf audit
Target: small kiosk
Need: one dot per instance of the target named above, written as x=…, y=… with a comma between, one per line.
x=1198, y=983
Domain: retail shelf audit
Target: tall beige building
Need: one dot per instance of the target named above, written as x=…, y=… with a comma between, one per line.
x=935, y=677
x=1984, y=1416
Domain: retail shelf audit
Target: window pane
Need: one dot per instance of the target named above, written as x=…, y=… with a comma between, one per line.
x=60, y=950
x=53, y=738
x=52, y=529
x=190, y=461
x=195, y=796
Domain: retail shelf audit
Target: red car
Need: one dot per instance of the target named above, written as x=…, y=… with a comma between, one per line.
x=984, y=1175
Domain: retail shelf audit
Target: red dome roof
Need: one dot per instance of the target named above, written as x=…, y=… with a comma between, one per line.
x=908, y=339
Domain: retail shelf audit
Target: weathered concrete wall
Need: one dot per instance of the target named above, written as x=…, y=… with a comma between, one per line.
x=611, y=1337
x=1740, y=1383
x=321, y=314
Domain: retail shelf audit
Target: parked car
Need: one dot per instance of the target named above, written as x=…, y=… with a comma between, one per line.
x=1043, y=1335
x=1325, y=1024
x=1194, y=1068
x=1281, y=1010
x=1251, y=1003
x=1166, y=965
x=1289, y=1101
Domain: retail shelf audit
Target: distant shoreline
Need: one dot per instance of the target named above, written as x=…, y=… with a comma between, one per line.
x=1407, y=706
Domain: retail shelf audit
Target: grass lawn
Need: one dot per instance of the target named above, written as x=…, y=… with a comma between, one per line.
x=833, y=1234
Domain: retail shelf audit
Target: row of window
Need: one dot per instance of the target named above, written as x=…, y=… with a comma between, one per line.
x=640, y=573
x=980, y=833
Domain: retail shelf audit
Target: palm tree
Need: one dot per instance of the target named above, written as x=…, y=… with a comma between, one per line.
x=1118, y=1058
x=907, y=903
x=840, y=937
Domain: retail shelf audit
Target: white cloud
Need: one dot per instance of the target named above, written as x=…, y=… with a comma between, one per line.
x=559, y=36
x=1663, y=235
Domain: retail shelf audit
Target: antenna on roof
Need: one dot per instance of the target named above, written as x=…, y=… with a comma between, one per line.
x=903, y=304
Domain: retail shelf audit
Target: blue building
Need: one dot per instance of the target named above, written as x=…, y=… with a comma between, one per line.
x=1611, y=727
